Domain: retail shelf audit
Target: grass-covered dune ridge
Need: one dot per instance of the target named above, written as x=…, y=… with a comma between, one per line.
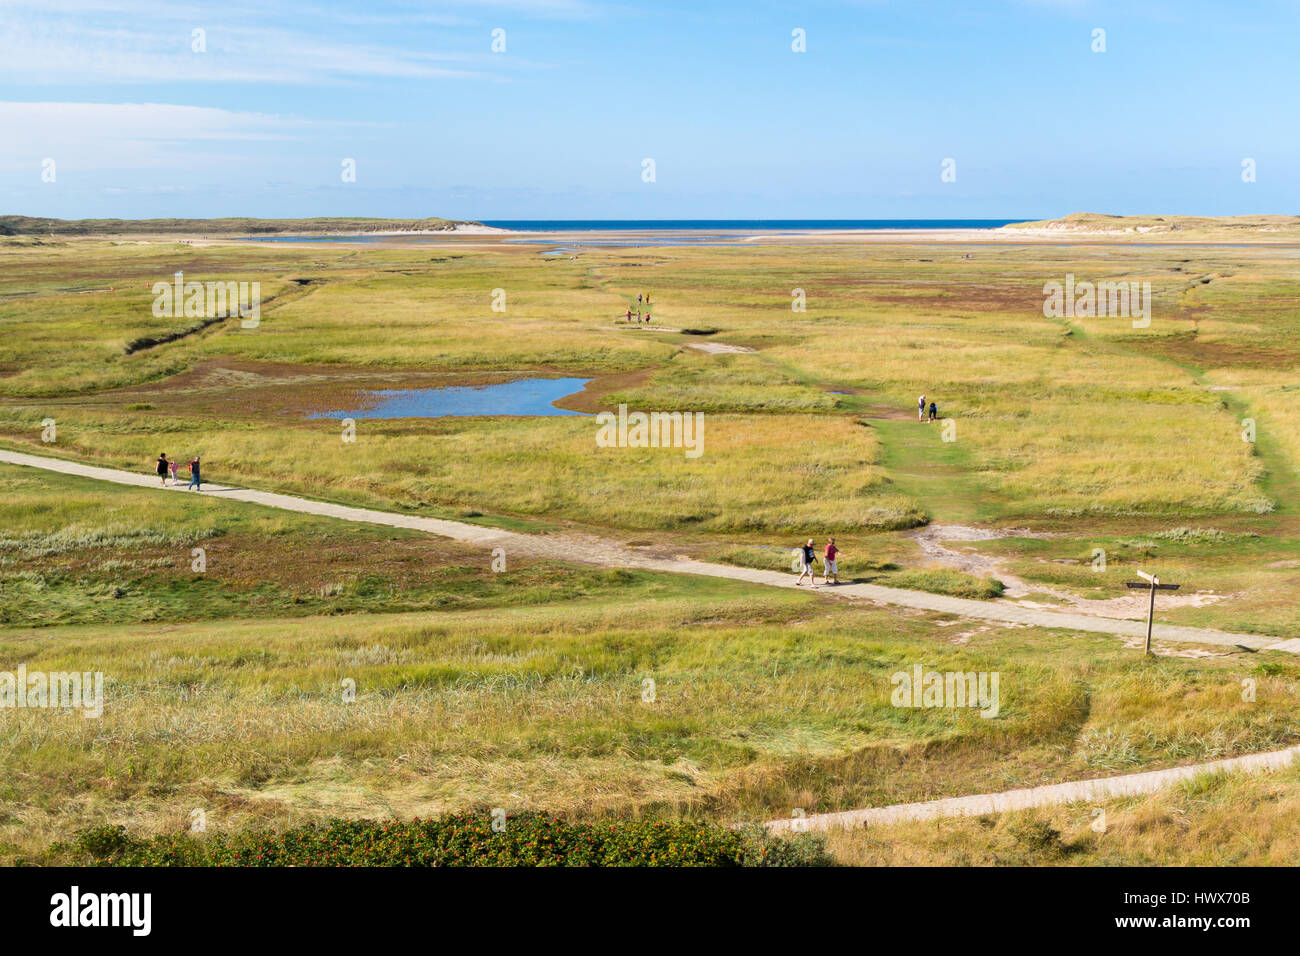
x=240, y=226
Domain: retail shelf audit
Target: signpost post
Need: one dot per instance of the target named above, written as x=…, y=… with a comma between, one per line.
x=1155, y=586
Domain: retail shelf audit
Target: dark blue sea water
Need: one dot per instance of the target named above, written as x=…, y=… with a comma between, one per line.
x=794, y=225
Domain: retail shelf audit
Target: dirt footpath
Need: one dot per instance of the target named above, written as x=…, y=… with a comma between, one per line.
x=598, y=551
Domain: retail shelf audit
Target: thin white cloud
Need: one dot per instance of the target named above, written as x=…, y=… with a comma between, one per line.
x=136, y=136
x=87, y=41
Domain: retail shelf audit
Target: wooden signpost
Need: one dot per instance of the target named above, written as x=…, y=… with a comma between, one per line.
x=1153, y=582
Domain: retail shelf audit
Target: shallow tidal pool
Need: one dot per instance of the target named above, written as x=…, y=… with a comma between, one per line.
x=528, y=396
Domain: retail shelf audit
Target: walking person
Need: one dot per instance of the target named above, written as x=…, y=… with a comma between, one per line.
x=629, y=315
x=162, y=469
x=195, y=480
x=830, y=566
x=934, y=411
x=920, y=409
x=806, y=564
x=175, y=466
x=638, y=300
x=647, y=316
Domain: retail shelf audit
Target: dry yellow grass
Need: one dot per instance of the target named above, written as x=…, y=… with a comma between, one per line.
x=1215, y=820
x=756, y=472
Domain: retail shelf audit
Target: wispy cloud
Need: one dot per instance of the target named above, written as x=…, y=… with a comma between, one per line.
x=137, y=136
x=93, y=41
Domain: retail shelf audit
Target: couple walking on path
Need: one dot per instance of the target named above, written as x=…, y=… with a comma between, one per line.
x=830, y=563
x=920, y=410
x=165, y=465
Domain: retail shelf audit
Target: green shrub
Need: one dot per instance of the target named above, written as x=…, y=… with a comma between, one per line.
x=946, y=581
x=464, y=839
x=104, y=842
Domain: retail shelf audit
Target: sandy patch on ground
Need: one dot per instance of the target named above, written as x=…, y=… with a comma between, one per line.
x=477, y=229
x=934, y=539
x=713, y=348
x=1129, y=606
x=1166, y=650
x=718, y=348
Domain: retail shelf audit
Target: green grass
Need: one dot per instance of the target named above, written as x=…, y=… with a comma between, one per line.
x=761, y=702
x=1250, y=579
x=75, y=551
x=874, y=569
x=756, y=472
x=946, y=581
x=1051, y=423
x=925, y=468
x=1216, y=820
x=525, y=689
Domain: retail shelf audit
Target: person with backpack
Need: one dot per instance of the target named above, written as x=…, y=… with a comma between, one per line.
x=195, y=480
x=806, y=564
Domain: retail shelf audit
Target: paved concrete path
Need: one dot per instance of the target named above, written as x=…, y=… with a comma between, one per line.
x=593, y=550
x=1090, y=791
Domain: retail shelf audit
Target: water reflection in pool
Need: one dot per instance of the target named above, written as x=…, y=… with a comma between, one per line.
x=528, y=396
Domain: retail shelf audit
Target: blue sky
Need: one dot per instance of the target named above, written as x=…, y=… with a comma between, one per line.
x=739, y=125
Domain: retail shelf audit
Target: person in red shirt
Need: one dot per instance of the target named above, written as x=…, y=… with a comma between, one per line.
x=829, y=569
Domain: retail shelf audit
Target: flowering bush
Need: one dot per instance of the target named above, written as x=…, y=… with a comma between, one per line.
x=463, y=839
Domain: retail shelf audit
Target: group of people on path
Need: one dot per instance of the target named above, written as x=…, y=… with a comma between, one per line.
x=920, y=410
x=166, y=466
x=830, y=563
x=639, y=298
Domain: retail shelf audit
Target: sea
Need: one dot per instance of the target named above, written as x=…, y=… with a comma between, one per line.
x=657, y=232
